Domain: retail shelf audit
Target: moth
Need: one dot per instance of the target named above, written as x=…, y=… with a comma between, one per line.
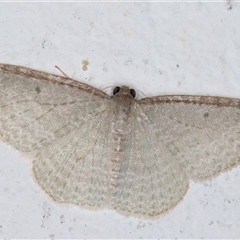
x=99, y=151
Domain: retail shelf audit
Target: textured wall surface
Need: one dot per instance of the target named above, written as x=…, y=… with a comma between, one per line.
x=157, y=48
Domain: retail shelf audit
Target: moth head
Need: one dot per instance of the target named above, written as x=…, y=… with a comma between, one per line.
x=124, y=90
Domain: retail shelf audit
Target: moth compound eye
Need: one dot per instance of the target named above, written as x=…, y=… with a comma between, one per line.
x=116, y=90
x=133, y=93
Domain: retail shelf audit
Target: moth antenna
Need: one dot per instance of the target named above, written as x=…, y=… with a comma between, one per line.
x=63, y=73
x=107, y=87
x=138, y=91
